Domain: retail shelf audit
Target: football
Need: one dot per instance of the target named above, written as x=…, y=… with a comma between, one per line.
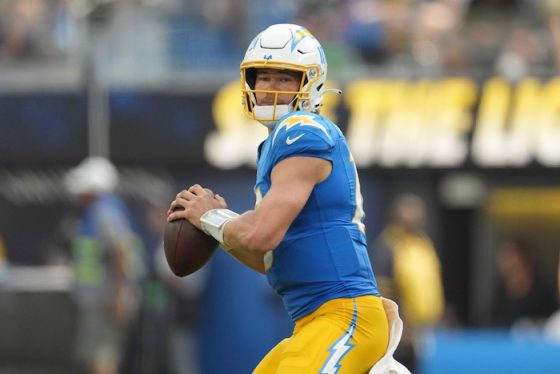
x=187, y=248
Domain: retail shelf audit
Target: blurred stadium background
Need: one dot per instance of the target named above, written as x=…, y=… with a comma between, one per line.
x=457, y=101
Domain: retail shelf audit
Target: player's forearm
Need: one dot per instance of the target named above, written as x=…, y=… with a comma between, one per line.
x=252, y=260
x=248, y=233
x=249, y=240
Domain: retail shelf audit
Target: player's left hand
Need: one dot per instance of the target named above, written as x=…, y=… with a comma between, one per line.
x=195, y=201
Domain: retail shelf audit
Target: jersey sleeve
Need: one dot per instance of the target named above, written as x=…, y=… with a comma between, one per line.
x=308, y=138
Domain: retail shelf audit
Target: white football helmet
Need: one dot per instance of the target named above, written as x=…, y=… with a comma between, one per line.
x=284, y=47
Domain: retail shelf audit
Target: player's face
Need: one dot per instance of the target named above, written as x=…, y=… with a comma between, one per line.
x=276, y=80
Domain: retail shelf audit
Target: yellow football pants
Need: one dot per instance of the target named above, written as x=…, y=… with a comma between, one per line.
x=343, y=336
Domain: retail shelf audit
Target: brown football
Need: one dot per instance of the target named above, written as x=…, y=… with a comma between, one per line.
x=187, y=248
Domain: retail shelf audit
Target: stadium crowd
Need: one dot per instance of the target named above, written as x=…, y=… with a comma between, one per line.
x=510, y=38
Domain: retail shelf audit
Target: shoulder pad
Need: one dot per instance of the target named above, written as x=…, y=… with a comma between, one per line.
x=297, y=123
x=303, y=134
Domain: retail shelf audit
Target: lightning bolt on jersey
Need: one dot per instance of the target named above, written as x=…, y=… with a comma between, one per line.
x=323, y=256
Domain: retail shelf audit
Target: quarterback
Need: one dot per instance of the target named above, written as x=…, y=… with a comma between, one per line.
x=306, y=232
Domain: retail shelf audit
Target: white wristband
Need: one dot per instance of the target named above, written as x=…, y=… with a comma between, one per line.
x=214, y=222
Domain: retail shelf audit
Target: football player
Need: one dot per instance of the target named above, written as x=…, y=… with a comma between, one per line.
x=306, y=232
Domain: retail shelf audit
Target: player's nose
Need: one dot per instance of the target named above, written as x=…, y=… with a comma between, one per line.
x=268, y=98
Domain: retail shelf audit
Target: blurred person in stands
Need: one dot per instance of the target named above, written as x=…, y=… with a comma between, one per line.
x=409, y=271
x=107, y=266
x=367, y=31
x=522, y=52
x=22, y=35
x=524, y=299
x=306, y=232
x=434, y=42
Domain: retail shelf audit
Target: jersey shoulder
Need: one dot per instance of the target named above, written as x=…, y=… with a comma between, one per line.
x=304, y=132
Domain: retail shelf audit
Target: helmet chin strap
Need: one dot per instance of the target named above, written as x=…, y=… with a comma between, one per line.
x=267, y=111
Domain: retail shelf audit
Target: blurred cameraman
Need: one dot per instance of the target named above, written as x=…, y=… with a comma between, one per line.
x=107, y=266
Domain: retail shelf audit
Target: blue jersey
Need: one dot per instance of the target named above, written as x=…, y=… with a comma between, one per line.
x=323, y=255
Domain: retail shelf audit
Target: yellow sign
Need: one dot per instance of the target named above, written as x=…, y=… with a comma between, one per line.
x=422, y=123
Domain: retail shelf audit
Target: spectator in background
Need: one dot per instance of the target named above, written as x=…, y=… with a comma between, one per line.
x=21, y=30
x=409, y=271
x=522, y=51
x=107, y=266
x=367, y=30
x=433, y=24
x=523, y=298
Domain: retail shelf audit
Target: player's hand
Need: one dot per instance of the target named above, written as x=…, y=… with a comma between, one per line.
x=192, y=203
